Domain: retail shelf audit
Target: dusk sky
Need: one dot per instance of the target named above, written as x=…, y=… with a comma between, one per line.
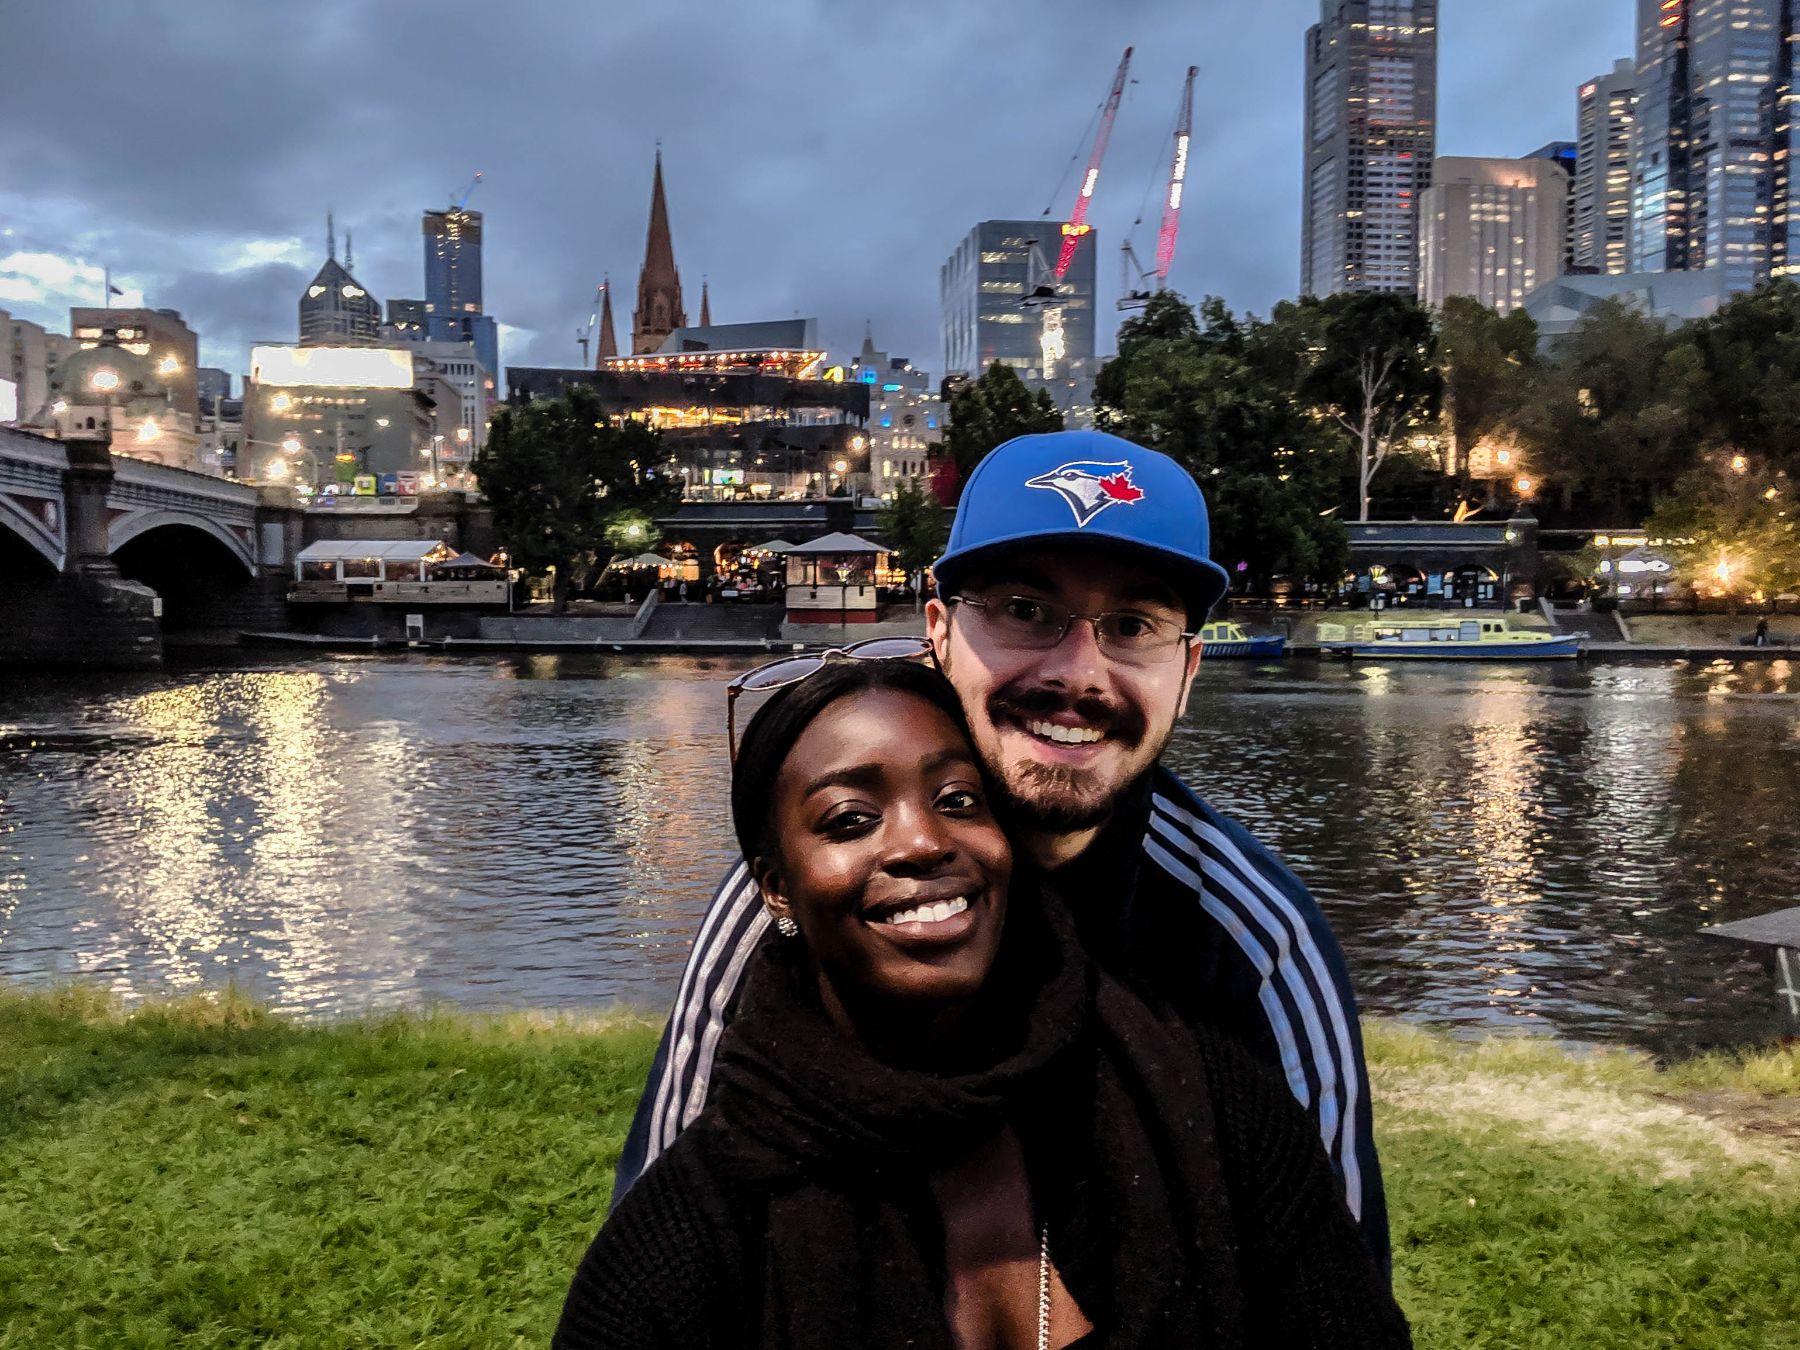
x=820, y=159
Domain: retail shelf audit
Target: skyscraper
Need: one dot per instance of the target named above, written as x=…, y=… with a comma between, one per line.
x=1607, y=111
x=982, y=283
x=1493, y=229
x=453, y=310
x=1712, y=91
x=335, y=306
x=1371, y=134
x=659, y=310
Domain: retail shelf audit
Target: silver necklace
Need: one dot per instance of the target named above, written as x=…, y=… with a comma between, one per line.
x=1043, y=1341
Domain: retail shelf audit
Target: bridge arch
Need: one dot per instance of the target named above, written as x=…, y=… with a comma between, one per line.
x=138, y=523
x=29, y=531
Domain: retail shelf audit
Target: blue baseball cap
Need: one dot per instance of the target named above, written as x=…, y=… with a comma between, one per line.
x=1086, y=489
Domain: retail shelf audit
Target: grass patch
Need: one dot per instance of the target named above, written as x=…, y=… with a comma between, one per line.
x=202, y=1174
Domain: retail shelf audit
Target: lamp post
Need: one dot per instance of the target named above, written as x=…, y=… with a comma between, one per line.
x=843, y=571
x=291, y=445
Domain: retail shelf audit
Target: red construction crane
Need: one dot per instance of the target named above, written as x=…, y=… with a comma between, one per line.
x=1077, y=223
x=1135, y=274
x=1171, y=220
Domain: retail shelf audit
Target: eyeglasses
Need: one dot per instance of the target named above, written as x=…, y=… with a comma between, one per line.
x=1123, y=635
x=793, y=669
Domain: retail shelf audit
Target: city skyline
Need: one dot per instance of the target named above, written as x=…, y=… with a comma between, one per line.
x=837, y=195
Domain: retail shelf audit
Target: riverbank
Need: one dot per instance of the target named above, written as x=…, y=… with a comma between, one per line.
x=711, y=630
x=205, y=1174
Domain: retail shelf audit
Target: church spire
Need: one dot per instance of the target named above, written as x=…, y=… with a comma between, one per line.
x=330, y=237
x=609, y=346
x=705, y=305
x=659, y=310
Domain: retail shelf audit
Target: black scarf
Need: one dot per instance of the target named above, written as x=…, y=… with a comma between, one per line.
x=1111, y=1107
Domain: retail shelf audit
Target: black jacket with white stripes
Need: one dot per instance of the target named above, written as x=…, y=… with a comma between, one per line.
x=1178, y=900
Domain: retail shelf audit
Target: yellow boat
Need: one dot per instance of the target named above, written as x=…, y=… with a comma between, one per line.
x=1482, y=639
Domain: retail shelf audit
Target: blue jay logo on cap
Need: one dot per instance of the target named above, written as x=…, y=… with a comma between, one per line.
x=1089, y=487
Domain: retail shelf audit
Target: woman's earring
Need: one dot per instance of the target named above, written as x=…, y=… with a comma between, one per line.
x=786, y=926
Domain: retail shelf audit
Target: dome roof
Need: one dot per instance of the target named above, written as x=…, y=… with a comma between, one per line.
x=74, y=378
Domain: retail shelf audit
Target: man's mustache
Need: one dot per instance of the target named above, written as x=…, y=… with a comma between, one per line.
x=1117, y=719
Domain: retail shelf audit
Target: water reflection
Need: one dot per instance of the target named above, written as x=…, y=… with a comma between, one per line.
x=1523, y=848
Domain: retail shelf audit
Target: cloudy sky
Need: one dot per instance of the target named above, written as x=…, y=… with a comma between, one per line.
x=822, y=159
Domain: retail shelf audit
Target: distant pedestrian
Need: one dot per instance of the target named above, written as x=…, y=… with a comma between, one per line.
x=684, y=592
x=1762, y=633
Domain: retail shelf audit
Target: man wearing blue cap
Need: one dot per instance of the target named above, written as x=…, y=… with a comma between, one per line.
x=1069, y=598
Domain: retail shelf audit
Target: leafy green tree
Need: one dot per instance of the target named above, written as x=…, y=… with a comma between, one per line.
x=1489, y=365
x=991, y=411
x=1373, y=370
x=567, y=483
x=915, y=525
x=1215, y=393
x=1748, y=396
x=1609, y=425
x=1729, y=523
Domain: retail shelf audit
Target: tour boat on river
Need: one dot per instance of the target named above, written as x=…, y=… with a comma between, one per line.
x=1224, y=639
x=1480, y=639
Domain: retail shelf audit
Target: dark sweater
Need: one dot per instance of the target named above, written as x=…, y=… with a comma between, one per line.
x=687, y=1261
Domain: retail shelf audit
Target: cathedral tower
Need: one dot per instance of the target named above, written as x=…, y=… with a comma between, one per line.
x=659, y=311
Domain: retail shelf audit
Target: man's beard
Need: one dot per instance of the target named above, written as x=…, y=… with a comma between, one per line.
x=1056, y=798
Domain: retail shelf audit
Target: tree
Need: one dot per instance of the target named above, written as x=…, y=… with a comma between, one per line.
x=1748, y=353
x=1729, y=524
x=914, y=525
x=1215, y=393
x=567, y=483
x=1610, y=423
x=1373, y=372
x=1489, y=364
x=990, y=412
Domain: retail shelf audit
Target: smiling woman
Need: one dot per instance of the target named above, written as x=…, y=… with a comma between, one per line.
x=933, y=1121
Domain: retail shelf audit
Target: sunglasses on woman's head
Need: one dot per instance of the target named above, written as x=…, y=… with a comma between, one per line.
x=793, y=669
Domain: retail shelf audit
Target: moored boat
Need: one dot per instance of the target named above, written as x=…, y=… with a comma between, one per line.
x=1226, y=639
x=1480, y=639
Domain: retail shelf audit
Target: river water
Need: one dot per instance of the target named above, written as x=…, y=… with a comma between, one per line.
x=1525, y=848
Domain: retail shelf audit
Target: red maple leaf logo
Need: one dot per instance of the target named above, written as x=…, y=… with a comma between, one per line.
x=1119, y=488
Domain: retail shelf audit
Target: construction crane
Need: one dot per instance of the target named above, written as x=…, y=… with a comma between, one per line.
x=584, y=336
x=1134, y=298
x=461, y=203
x=1042, y=279
x=1077, y=226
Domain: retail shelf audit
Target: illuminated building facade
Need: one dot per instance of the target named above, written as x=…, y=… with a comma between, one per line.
x=906, y=417
x=452, y=261
x=405, y=321
x=1371, y=135
x=747, y=422
x=172, y=348
x=329, y=414
x=452, y=303
x=336, y=308
x=1493, y=229
x=1607, y=112
x=981, y=286
x=1709, y=164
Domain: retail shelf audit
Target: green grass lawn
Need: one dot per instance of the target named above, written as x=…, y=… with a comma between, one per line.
x=203, y=1174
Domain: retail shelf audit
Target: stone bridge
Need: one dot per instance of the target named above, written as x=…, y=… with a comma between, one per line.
x=100, y=553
